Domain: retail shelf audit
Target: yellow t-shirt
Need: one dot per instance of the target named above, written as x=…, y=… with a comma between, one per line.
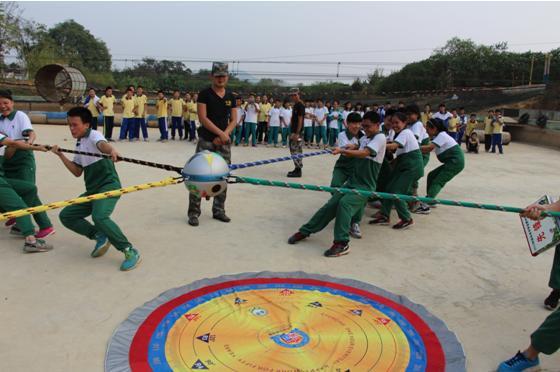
x=92, y=108
x=452, y=126
x=141, y=102
x=425, y=117
x=177, y=107
x=128, y=106
x=193, y=111
x=161, y=107
x=498, y=126
x=265, y=108
x=108, y=103
x=471, y=127
x=488, y=126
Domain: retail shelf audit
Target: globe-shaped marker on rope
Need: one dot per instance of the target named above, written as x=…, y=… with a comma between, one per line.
x=205, y=174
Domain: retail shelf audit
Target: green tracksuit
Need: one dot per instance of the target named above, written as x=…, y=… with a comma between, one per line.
x=408, y=168
x=546, y=338
x=453, y=163
x=425, y=160
x=343, y=207
x=99, y=177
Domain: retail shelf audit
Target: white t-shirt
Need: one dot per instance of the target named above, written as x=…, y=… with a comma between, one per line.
x=88, y=144
x=251, y=112
x=343, y=139
x=443, y=142
x=286, y=114
x=240, y=116
x=345, y=114
x=407, y=142
x=16, y=127
x=419, y=131
x=320, y=113
x=308, y=122
x=2, y=147
x=274, y=114
x=378, y=144
x=444, y=117
x=359, y=112
x=333, y=124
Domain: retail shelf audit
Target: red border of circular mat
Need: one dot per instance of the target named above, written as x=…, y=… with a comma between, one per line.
x=138, y=354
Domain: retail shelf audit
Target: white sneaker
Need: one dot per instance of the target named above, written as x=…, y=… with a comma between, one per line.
x=355, y=231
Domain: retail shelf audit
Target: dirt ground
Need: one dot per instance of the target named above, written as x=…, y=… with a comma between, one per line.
x=471, y=268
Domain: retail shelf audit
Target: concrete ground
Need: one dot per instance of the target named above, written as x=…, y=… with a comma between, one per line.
x=471, y=268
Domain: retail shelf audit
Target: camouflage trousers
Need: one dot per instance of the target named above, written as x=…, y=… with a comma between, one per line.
x=296, y=147
x=218, y=205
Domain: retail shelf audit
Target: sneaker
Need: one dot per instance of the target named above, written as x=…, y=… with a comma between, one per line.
x=16, y=231
x=381, y=220
x=551, y=302
x=518, y=363
x=10, y=222
x=297, y=237
x=338, y=249
x=43, y=233
x=102, y=244
x=193, y=221
x=131, y=259
x=422, y=209
x=355, y=231
x=39, y=246
x=402, y=224
x=221, y=217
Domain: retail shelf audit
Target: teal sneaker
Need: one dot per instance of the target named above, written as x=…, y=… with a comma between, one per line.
x=102, y=244
x=131, y=259
x=519, y=363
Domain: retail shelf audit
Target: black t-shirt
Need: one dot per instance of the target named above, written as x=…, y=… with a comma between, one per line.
x=297, y=111
x=218, y=110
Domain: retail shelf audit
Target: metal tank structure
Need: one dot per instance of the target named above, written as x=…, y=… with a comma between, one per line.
x=60, y=83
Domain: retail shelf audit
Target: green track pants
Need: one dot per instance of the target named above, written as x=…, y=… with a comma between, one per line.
x=74, y=218
x=342, y=208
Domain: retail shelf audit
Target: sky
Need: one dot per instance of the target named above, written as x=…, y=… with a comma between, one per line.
x=362, y=36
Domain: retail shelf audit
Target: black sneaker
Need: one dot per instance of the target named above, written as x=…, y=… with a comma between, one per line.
x=193, y=221
x=551, y=302
x=381, y=220
x=403, y=225
x=422, y=209
x=296, y=238
x=221, y=217
x=338, y=249
x=296, y=173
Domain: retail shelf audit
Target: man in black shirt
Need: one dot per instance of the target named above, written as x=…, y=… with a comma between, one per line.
x=296, y=128
x=217, y=116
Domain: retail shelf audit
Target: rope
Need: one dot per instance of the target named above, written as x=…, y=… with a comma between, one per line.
x=89, y=198
x=178, y=169
x=382, y=195
x=276, y=160
x=121, y=158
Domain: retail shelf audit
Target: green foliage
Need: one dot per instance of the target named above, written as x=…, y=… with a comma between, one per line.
x=462, y=63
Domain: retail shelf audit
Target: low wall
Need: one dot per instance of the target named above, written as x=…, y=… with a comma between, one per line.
x=534, y=135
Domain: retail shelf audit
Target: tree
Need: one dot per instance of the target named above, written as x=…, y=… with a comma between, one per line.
x=80, y=47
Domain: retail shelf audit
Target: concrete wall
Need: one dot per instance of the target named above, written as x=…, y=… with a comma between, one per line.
x=534, y=135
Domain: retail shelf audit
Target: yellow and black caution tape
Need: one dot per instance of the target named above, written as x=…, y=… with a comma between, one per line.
x=89, y=198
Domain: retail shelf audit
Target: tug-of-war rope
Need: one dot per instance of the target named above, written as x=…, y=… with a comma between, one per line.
x=253, y=181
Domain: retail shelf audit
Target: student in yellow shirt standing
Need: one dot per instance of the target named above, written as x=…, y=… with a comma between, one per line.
x=161, y=108
x=92, y=104
x=262, y=129
x=186, y=115
x=107, y=103
x=426, y=115
x=177, y=106
x=453, y=124
x=497, y=130
x=141, y=110
x=488, y=129
x=192, y=118
x=128, y=103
